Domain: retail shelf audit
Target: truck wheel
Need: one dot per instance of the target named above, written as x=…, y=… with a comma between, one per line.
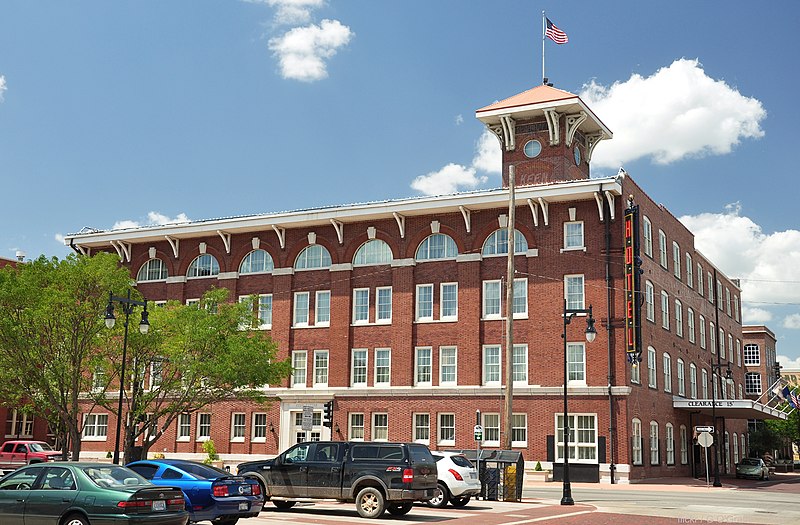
x=440, y=496
x=399, y=509
x=370, y=503
x=283, y=505
x=459, y=501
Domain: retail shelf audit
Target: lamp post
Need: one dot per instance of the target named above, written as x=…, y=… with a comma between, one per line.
x=127, y=308
x=591, y=333
x=714, y=368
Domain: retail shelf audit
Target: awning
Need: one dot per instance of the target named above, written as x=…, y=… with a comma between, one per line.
x=729, y=408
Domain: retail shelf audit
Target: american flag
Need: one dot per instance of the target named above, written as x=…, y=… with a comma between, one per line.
x=555, y=34
x=793, y=399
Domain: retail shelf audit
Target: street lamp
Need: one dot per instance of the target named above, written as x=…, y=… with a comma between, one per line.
x=127, y=308
x=591, y=333
x=728, y=380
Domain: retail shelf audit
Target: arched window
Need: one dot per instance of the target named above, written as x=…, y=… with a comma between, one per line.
x=437, y=246
x=314, y=256
x=203, y=266
x=636, y=435
x=654, y=459
x=497, y=243
x=257, y=261
x=152, y=270
x=375, y=251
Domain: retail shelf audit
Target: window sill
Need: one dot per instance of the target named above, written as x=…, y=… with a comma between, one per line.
x=448, y=443
x=258, y=440
x=376, y=323
x=434, y=321
x=95, y=438
x=203, y=439
x=237, y=440
x=574, y=249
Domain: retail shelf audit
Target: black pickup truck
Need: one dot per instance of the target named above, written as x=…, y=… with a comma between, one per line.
x=376, y=476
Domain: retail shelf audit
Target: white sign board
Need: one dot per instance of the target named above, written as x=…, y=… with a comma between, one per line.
x=478, y=432
x=308, y=417
x=704, y=429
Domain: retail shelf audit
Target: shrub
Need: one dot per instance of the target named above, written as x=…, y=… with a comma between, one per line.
x=538, y=467
x=211, y=450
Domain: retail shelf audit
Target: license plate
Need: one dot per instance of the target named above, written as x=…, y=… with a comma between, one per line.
x=159, y=504
x=473, y=475
x=243, y=506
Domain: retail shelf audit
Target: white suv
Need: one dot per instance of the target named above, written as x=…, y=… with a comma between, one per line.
x=458, y=480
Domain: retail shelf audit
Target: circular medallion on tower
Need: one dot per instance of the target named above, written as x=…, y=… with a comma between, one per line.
x=533, y=148
x=577, y=153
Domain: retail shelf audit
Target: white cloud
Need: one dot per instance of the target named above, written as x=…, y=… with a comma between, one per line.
x=2, y=86
x=766, y=263
x=792, y=322
x=292, y=11
x=447, y=180
x=751, y=315
x=154, y=218
x=676, y=113
x=302, y=51
x=459, y=120
x=788, y=363
x=457, y=177
x=59, y=237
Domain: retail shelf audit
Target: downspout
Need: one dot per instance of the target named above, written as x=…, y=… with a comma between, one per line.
x=72, y=245
x=609, y=302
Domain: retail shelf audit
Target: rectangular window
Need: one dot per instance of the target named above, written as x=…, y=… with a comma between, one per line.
x=491, y=299
x=693, y=381
x=380, y=427
x=728, y=301
x=684, y=446
x=689, y=270
x=491, y=364
x=519, y=430
x=447, y=365
x=520, y=364
x=704, y=380
x=383, y=366
x=576, y=363
x=491, y=430
x=265, y=311
x=712, y=338
x=700, y=287
x=238, y=426
x=321, y=368
x=654, y=449
x=649, y=301
x=636, y=442
x=702, y=327
x=422, y=366
x=664, y=310
x=647, y=230
x=678, y=318
x=384, y=304
x=424, y=302
x=690, y=325
x=738, y=353
x=95, y=426
x=670, y=445
x=573, y=235
x=651, y=367
x=98, y=380
x=203, y=427
x=359, y=367
x=520, y=305
x=752, y=355
x=301, y=309
x=676, y=259
x=448, y=302
x=259, y=427
x=710, y=288
x=582, y=442
x=681, y=379
x=719, y=295
x=667, y=373
x=447, y=429
x=299, y=369
x=662, y=248
x=360, y=305
x=573, y=292
x=752, y=383
x=356, y=427
x=422, y=428
x=184, y=427
x=322, y=308
x=736, y=307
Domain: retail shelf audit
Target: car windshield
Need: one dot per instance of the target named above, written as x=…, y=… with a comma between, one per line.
x=114, y=477
x=200, y=471
x=40, y=447
x=750, y=462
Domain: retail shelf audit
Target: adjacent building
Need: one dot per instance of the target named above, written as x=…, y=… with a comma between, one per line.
x=395, y=311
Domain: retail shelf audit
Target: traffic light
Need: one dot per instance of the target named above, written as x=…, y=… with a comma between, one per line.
x=327, y=414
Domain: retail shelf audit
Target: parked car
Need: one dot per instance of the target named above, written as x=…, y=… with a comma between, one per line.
x=458, y=480
x=377, y=476
x=211, y=493
x=79, y=493
x=14, y=454
x=752, y=468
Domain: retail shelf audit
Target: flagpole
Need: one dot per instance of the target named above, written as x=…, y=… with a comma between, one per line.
x=544, y=29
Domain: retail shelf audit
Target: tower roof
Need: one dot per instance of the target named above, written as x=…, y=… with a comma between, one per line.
x=536, y=95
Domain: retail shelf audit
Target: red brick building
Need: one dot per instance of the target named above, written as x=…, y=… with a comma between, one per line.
x=394, y=310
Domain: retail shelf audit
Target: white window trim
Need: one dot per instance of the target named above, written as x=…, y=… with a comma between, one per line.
x=353, y=368
x=375, y=416
x=484, y=382
x=356, y=291
x=414, y=428
x=499, y=314
x=583, y=290
x=443, y=317
x=178, y=436
x=578, y=382
x=417, y=382
x=95, y=426
x=377, y=305
x=375, y=369
x=442, y=382
x=667, y=366
x=417, y=317
x=233, y=425
x=201, y=438
x=491, y=442
x=521, y=283
x=637, y=458
x=253, y=438
x=295, y=323
x=582, y=247
x=305, y=360
x=647, y=240
x=317, y=322
x=574, y=430
x=439, y=427
x=327, y=368
x=519, y=444
x=665, y=319
x=518, y=382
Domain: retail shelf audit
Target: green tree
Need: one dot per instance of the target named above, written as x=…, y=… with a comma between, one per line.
x=52, y=333
x=192, y=356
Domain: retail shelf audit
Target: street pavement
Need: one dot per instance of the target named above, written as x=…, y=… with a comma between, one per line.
x=670, y=501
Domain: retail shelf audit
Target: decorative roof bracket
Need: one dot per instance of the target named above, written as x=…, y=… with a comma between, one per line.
x=467, y=217
x=591, y=142
x=610, y=199
x=545, y=211
x=573, y=123
x=226, y=240
x=534, y=211
x=281, y=235
x=339, y=227
x=599, y=199
x=553, y=126
x=401, y=224
x=174, y=243
x=508, y=132
x=123, y=250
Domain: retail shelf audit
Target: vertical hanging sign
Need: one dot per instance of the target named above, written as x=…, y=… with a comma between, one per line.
x=633, y=333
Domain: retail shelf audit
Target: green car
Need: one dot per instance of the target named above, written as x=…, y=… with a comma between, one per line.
x=77, y=493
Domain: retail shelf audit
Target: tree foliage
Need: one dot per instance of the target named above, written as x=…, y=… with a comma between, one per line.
x=52, y=332
x=192, y=356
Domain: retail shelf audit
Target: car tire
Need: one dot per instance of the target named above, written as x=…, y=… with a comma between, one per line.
x=227, y=521
x=459, y=501
x=75, y=519
x=283, y=505
x=440, y=496
x=399, y=509
x=766, y=478
x=370, y=503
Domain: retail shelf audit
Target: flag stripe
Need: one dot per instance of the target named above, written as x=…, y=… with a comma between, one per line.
x=555, y=34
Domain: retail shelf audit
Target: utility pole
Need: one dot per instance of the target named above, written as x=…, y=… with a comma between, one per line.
x=509, y=361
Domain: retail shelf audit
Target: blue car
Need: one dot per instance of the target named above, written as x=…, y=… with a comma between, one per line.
x=211, y=493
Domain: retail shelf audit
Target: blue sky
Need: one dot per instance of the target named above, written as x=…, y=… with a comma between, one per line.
x=121, y=113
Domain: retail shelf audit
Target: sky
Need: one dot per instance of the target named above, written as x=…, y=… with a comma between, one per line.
x=126, y=113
